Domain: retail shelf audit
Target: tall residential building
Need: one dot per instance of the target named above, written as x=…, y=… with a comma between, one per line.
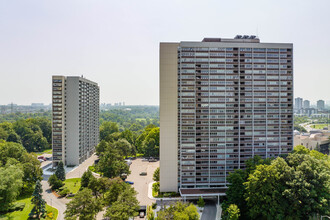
x=298, y=103
x=75, y=119
x=222, y=101
x=320, y=105
x=306, y=104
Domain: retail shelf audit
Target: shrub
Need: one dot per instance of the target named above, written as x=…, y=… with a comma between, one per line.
x=17, y=207
x=64, y=191
x=155, y=189
x=154, y=205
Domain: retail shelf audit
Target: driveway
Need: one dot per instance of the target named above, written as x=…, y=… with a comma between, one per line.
x=79, y=171
x=52, y=200
x=210, y=211
x=60, y=203
x=141, y=182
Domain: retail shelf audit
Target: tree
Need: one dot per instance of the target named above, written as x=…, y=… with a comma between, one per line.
x=233, y=212
x=13, y=137
x=179, y=211
x=156, y=175
x=125, y=207
x=54, y=182
x=264, y=190
x=60, y=172
x=151, y=143
x=112, y=164
x=11, y=150
x=32, y=170
x=201, y=202
x=101, y=147
x=117, y=186
x=39, y=208
x=86, y=178
x=10, y=185
x=83, y=206
x=46, y=127
x=3, y=134
x=124, y=147
x=27, y=162
x=108, y=128
x=236, y=192
x=309, y=190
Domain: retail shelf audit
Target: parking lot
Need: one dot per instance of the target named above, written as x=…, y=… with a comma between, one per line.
x=141, y=182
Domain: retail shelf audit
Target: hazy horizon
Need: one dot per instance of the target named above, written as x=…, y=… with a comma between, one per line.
x=116, y=44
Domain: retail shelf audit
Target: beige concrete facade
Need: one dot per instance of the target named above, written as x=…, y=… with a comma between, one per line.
x=222, y=101
x=75, y=120
x=168, y=117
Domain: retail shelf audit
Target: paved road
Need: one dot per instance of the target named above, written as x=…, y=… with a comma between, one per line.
x=210, y=211
x=79, y=171
x=60, y=203
x=141, y=182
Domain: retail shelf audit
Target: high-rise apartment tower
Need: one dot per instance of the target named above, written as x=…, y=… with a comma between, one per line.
x=320, y=105
x=75, y=117
x=298, y=103
x=222, y=101
x=306, y=104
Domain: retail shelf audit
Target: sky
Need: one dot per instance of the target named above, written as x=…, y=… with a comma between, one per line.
x=116, y=43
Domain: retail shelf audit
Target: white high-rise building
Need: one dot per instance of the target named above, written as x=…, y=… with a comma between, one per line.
x=75, y=119
x=222, y=101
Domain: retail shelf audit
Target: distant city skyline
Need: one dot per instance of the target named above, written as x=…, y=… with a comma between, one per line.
x=117, y=43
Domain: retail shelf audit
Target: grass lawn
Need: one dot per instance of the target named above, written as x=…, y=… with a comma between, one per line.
x=319, y=126
x=72, y=184
x=24, y=214
x=48, y=151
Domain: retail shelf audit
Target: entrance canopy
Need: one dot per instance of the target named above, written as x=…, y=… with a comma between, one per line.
x=202, y=192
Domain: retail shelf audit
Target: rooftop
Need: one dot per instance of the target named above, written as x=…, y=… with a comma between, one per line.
x=237, y=39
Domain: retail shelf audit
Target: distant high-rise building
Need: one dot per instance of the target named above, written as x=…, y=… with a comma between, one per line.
x=298, y=103
x=222, y=101
x=37, y=104
x=75, y=119
x=320, y=105
x=306, y=104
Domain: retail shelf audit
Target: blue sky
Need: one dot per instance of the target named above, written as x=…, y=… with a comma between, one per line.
x=116, y=43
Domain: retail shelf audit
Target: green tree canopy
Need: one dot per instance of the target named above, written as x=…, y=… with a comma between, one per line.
x=112, y=164
x=126, y=205
x=83, y=206
x=10, y=185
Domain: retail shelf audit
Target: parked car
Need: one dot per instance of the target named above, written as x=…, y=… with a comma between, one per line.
x=41, y=158
x=145, y=159
x=129, y=182
x=128, y=162
x=141, y=215
x=152, y=160
x=143, y=173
